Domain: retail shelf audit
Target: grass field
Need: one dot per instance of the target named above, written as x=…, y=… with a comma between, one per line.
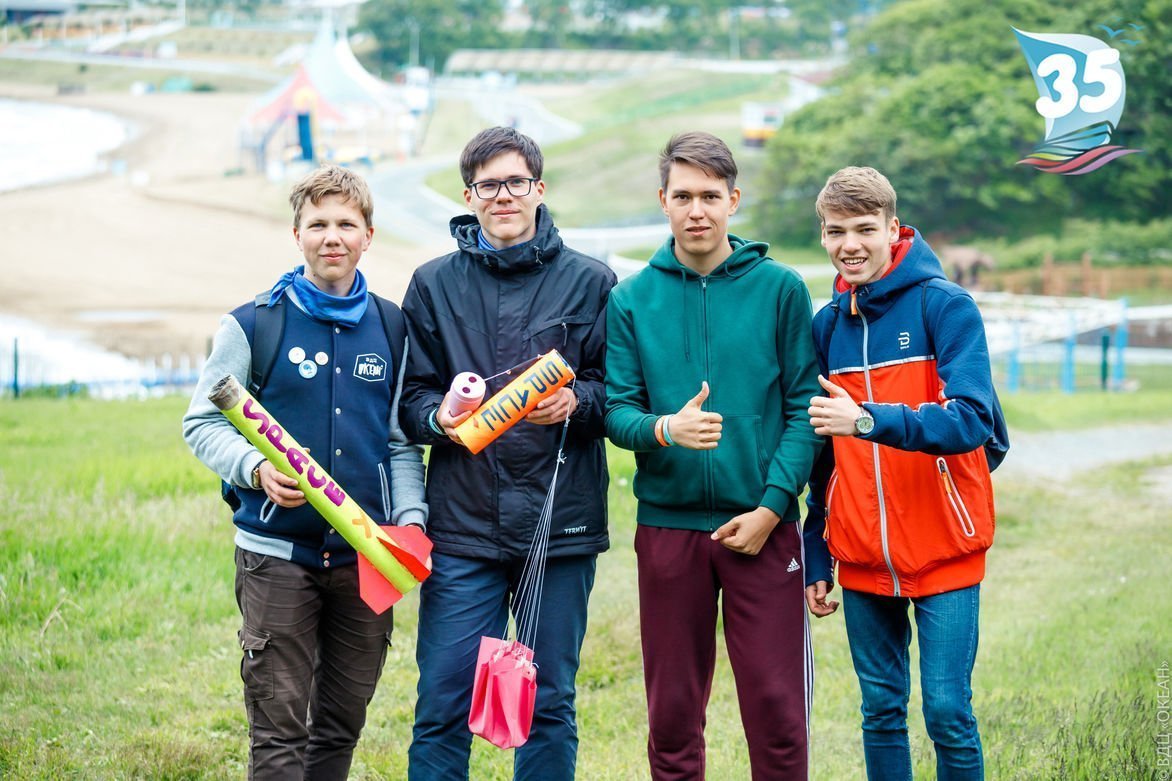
x=118, y=657
x=101, y=78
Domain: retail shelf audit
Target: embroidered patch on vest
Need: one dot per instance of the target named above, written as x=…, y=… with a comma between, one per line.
x=370, y=367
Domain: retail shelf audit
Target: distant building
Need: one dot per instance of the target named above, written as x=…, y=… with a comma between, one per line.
x=20, y=11
x=760, y=122
x=79, y=19
x=556, y=62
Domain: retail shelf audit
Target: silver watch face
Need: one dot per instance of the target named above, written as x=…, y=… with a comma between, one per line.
x=864, y=423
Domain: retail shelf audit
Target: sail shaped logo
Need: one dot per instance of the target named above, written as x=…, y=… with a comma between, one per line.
x=1081, y=92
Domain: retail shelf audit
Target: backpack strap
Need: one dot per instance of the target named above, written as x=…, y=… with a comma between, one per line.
x=395, y=327
x=268, y=331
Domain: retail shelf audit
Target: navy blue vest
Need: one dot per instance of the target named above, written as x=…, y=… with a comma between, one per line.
x=335, y=400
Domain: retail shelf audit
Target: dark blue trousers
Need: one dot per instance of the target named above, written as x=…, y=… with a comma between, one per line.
x=465, y=599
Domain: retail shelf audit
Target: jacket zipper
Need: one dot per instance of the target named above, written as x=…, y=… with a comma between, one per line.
x=875, y=458
x=385, y=489
x=958, y=506
x=709, y=487
x=829, y=499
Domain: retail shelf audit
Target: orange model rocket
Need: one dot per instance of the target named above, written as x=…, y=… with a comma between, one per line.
x=514, y=401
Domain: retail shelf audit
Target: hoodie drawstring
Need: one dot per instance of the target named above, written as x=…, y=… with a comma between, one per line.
x=687, y=321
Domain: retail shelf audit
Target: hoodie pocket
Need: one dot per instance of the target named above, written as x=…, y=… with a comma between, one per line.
x=739, y=464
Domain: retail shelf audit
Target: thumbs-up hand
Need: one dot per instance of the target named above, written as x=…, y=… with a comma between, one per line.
x=833, y=415
x=694, y=428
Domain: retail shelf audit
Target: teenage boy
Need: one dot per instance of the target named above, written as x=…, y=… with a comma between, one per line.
x=510, y=292
x=902, y=499
x=708, y=372
x=312, y=650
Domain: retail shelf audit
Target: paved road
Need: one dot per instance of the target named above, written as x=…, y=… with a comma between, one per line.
x=1060, y=455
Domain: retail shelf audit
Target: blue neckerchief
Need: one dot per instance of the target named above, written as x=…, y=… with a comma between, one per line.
x=344, y=310
x=483, y=242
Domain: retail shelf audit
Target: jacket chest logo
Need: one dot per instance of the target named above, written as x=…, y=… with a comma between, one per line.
x=370, y=367
x=905, y=340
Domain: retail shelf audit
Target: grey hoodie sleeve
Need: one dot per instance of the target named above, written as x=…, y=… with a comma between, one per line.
x=408, y=503
x=211, y=436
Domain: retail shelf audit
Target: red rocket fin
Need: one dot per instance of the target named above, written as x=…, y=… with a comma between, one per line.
x=376, y=591
x=410, y=546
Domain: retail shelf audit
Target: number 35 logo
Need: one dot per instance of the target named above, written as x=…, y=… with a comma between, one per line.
x=1081, y=94
x=1072, y=95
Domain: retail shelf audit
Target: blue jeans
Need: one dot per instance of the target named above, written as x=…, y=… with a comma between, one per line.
x=465, y=599
x=879, y=633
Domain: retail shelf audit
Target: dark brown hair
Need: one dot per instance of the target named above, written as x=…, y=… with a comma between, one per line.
x=702, y=150
x=495, y=141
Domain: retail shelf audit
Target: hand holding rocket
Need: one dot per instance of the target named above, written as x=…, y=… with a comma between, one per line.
x=514, y=401
x=391, y=560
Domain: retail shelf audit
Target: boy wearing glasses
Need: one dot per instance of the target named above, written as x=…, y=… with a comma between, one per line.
x=510, y=292
x=709, y=369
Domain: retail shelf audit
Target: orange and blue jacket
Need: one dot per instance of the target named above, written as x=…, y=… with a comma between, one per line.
x=906, y=510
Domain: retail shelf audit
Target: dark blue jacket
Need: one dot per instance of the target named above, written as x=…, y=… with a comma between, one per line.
x=481, y=311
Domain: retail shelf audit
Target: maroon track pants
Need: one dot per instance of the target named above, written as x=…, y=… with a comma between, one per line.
x=681, y=576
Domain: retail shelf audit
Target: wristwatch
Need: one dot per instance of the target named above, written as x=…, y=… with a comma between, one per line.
x=256, y=477
x=864, y=423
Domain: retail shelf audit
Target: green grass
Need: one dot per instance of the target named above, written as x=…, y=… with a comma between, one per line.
x=610, y=173
x=1050, y=410
x=118, y=657
x=111, y=78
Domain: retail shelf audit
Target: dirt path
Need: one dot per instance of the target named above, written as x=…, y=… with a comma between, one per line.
x=1060, y=455
x=146, y=262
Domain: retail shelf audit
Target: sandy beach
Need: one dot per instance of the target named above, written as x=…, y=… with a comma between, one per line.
x=145, y=261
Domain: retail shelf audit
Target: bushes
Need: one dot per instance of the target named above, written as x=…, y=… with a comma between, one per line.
x=1108, y=241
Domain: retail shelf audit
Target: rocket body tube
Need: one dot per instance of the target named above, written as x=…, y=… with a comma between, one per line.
x=399, y=557
x=514, y=401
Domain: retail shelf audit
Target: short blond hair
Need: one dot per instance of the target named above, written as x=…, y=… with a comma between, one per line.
x=854, y=191
x=332, y=180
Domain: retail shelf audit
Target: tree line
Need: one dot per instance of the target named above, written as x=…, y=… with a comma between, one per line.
x=939, y=97
x=430, y=30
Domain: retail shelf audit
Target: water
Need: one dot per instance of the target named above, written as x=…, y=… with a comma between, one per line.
x=60, y=358
x=42, y=143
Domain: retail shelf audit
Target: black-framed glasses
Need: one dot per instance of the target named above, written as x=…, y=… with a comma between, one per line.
x=518, y=187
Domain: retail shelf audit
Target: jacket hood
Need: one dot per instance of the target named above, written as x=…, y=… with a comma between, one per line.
x=914, y=262
x=745, y=255
x=542, y=248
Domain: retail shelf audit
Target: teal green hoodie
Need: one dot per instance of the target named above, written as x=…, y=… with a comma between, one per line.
x=745, y=328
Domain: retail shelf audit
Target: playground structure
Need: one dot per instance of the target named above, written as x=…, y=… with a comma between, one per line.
x=331, y=109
